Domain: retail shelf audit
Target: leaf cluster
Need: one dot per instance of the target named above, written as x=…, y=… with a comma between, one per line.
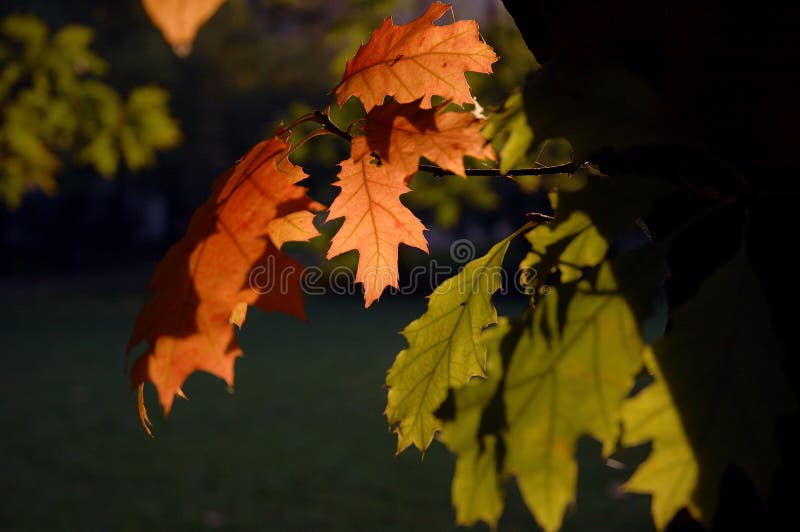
x=609, y=345
x=57, y=111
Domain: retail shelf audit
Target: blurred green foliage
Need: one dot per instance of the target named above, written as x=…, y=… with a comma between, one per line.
x=56, y=111
x=447, y=196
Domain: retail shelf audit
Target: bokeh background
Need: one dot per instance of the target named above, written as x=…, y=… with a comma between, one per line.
x=302, y=443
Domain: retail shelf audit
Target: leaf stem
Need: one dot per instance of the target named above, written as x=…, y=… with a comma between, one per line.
x=308, y=117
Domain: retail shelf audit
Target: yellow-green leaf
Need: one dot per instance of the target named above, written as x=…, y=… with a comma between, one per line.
x=510, y=132
x=567, y=376
x=561, y=372
x=477, y=489
x=670, y=473
x=576, y=243
x=443, y=349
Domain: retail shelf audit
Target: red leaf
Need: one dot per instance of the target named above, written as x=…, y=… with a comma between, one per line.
x=203, y=284
x=402, y=133
x=417, y=60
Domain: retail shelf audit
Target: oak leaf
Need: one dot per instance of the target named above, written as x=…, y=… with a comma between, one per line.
x=179, y=20
x=561, y=372
x=478, y=480
x=375, y=223
x=229, y=258
x=671, y=472
x=443, y=351
x=399, y=133
x=417, y=60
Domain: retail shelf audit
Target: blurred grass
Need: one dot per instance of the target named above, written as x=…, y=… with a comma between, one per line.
x=301, y=445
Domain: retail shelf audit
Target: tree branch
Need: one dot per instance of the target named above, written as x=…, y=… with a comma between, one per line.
x=496, y=172
x=569, y=167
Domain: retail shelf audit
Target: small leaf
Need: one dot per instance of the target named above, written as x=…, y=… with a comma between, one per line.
x=179, y=20
x=509, y=128
x=102, y=153
x=670, y=473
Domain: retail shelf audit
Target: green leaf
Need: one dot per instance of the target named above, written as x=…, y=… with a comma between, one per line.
x=135, y=151
x=509, y=131
x=443, y=349
x=560, y=372
x=73, y=36
x=102, y=153
x=573, y=244
x=55, y=109
x=568, y=367
x=477, y=489
x=567, y=376
x=723, y=389
x=148, y=115
x=670, y=473
x=511, y=134
x=29, y=30
x=591, y=211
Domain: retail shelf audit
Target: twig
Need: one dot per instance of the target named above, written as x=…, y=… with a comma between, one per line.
x=496, y=172
x=323, y=119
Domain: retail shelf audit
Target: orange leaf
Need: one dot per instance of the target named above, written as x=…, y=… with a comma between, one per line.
x=402, y=132
x=179, y=20
x=294, y=227
x=417, y=60
x=375, y=223
x=228, y=259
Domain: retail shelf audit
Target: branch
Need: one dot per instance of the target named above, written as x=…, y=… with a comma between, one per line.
x=569, y=167
x=496, y=172
x=323, y=119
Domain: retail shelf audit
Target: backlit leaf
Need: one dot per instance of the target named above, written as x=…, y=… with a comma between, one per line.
x=477, y=489
x=443, y=348
x=509, y=127
x=179, y=20
x=575, y=240
x=227, y=259
x=375, y=223
x=560, y=372
x=417, y=60
x=670, y=473
x=567, y=377
x=402, y=133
